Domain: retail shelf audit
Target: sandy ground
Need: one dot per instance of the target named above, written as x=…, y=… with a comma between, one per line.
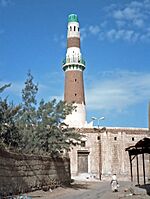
x=92, y=190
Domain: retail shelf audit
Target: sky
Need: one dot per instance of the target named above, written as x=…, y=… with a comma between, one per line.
x=115, y=43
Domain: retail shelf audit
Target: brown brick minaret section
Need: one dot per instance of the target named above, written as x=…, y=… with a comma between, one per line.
x=74, y=89
x=73, y=41
x=74, y=65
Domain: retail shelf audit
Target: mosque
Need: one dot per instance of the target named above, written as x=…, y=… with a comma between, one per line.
x=102, y=150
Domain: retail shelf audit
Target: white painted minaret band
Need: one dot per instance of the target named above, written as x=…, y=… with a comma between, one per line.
x=73, y=65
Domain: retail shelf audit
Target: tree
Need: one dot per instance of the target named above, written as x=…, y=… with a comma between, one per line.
x=51, y=137
x=36, y=128
x=29, y=100
x=9, y=135
x=26, y=119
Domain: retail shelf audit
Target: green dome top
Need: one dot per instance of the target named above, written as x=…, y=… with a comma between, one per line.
x=72, y=18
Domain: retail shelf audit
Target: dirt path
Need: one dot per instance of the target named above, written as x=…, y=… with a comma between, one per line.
x=90, y=190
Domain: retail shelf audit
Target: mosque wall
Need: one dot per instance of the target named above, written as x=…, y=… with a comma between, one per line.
x=103, y=151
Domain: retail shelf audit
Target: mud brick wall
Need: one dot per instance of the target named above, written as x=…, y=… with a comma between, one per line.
x=23, y=173
x=107, y=155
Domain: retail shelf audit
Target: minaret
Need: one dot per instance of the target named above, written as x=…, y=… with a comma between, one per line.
x=73, y=65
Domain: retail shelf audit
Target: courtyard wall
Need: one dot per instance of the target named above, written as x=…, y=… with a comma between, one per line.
x=23, y=173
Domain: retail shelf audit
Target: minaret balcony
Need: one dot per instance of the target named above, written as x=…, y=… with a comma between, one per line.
x=74, y=63
x=74, y=60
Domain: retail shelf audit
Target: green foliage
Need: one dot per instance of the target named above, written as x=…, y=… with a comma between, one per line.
x=29, y=92
x=2, y=88
x=50, y=136
x=26, y=118
x=29, y=101
x=9, y=136
x=36, y=128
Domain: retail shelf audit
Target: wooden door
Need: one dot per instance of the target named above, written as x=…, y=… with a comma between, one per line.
x=83, y=162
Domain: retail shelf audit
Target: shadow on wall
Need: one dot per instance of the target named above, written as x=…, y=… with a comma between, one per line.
x=62, y=166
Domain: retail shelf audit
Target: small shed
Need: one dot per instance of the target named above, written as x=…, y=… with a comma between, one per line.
x=140, y=148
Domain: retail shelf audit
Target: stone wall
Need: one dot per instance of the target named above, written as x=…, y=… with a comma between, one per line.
x=107, y=155
x=23, y=173
x=114, y=157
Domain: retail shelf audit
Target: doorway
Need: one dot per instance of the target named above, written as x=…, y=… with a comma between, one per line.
x=83, y=161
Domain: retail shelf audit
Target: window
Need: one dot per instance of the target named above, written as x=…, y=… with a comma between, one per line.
x=70, y=28
x=82, y=143
x=74, y=28
x=98, y=137
x=78, y=29
x=75, y=94
x=75, y=80
x=132, y=138
x=115, y=138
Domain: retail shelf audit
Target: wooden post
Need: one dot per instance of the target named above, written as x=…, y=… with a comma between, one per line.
x=143, y=168
x=137, y=164
x=131, y=168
